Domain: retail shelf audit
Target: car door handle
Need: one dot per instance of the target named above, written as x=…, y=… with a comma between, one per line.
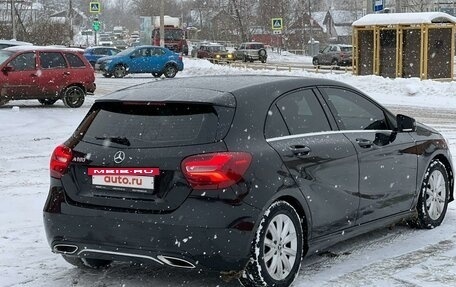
x=66, y=73
x=364, y=143
x=300, y=150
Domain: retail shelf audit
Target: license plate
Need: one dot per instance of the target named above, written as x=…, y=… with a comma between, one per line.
x=135, y=178
x=135, y=182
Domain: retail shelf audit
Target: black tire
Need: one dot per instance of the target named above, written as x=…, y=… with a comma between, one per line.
x=170, y=71
x=262, y=53
x=73, y=97
x=107, y=75
x=315, y=61
x=279, y=252
x=245, y=59
x=47, y=102
x=263, y=60
x=87, y=263
x=434, y=195
x=156, y=75
x=119, y=71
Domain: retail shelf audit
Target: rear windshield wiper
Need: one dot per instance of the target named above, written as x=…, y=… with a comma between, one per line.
x=117, y=140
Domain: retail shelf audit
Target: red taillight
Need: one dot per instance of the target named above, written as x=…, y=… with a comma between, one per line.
x=60, y=160
x=215, y=170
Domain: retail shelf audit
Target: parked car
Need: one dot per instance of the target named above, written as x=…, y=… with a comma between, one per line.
x=92, y=54
x=239, y=174
x=11, y=43
x=120, y=44
x=47, y=74
x=196, y=46
x=106, y=41
x=141, y=59
x=214, y=52
x=336, y=55
x=251, y=51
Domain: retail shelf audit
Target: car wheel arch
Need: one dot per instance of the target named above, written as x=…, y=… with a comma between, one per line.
x=299, y=203
x=62, y=92
x=444, y=160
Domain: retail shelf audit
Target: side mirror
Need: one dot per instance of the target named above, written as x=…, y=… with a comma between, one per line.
x=235, y=48
x=405, y=123
x=7, y=69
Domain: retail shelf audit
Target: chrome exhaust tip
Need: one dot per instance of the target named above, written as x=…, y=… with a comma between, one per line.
x=176, y=262
x=65, y=248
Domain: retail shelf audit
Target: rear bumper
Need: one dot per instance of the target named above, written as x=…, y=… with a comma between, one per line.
x=206, y=234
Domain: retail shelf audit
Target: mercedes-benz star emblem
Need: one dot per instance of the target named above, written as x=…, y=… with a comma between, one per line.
x=119, y=156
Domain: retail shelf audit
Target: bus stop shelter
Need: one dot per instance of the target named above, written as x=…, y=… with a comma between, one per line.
x=404, y=45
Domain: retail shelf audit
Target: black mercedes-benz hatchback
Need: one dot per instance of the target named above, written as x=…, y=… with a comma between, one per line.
x=243, y=175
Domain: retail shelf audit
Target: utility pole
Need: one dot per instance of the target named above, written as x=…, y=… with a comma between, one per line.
x=13, y=19
x=162, y=23
x=70, y=16
x=311, y=50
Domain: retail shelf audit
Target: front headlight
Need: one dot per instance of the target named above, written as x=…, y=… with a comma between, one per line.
x=217, y=56
x=229, y=56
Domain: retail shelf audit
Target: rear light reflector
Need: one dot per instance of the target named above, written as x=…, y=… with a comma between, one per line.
x=60, y=160
x=215, y=170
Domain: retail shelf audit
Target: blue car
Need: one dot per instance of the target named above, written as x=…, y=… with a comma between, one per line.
x=92, y=54
x=141, y=59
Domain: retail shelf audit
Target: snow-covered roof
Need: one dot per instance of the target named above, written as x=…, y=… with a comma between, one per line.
x=405, y=19
x=319, y=17
x=343, y=30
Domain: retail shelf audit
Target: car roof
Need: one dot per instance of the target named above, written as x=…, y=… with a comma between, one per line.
x=16, y=43
x=43, y=48
x=104, y=47
x=224, y=90
x=253, y=43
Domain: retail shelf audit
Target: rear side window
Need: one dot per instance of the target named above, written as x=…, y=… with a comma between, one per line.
x=303, y=113
x=142, y=125
x=52, y=60
x=275, y=126
x=75, y=61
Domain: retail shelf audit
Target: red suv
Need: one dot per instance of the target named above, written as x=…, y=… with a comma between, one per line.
x=46, y=74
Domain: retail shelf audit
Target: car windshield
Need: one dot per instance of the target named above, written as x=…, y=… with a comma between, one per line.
x=346, y=48
x=173, y=34
x=4, y=55
x=216, y=48
x=254, y=46
x=126, y=51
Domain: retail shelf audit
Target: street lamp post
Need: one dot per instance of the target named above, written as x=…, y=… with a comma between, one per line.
x=162, y=23
x=13, y=19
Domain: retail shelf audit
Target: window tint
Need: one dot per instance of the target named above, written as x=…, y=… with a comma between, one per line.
x=303, y=113
x=275, y=126
x=150, y=125
x=51, y=60
x=24, y=62
x=75, y=61
x=354, y=112
x=158, y=51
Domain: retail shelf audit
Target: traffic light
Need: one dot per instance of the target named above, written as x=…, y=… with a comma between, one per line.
x=96, y=25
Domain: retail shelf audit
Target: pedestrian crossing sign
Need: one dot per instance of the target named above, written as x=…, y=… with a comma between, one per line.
x=94, y=7
x=277, y=23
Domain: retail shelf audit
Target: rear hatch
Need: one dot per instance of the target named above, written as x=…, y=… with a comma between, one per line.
x=128, y=154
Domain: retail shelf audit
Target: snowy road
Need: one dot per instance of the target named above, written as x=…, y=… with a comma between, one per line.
x=399, y=256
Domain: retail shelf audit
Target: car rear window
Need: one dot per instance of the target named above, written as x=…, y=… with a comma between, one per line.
x=75, y=61
x=142, y=125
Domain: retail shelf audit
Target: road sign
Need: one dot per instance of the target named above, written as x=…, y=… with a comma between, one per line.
x=94, y=7
x=378, y=5
x=96, y=25
x=277, y=23
x=276, y=32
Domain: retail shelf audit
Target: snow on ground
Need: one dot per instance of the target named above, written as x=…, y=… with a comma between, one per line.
x=388, y=257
